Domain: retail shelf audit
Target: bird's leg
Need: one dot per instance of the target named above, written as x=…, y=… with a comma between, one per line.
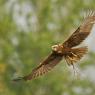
x=75, y=71
x=71, y=62
x=67, y=61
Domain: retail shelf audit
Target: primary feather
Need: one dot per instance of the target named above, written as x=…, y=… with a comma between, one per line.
x=52, y=60
x=82, y=32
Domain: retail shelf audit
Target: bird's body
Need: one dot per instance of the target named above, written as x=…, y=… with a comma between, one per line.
x=66, y=50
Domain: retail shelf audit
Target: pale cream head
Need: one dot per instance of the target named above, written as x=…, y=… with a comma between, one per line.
x=57, y=48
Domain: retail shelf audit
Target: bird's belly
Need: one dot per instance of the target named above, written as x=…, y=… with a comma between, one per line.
x=66, y=51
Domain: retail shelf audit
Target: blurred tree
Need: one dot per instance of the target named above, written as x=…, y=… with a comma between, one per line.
x=28, y=28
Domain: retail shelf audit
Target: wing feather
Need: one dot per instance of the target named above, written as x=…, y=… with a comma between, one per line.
x=51, y=61
x=82, y=32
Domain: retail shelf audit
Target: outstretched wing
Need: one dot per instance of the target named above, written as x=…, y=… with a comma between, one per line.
x=52, y=60
x=82, y=32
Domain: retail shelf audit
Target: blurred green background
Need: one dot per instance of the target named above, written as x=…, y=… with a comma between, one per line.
x=28, y=29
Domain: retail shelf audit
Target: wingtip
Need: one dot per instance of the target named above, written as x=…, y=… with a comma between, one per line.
x=18, y=79
x=89, y=13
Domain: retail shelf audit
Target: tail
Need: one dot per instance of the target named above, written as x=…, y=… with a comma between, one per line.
x=75, y=55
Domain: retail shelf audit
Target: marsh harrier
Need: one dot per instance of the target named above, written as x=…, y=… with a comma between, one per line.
x=66, y=50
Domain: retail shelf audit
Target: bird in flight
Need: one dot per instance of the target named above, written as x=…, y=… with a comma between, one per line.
x=66, y=50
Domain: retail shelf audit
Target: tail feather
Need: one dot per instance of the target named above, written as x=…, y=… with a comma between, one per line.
x=75, y=55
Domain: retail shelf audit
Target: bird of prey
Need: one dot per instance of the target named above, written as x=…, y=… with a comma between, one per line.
x=66, y=50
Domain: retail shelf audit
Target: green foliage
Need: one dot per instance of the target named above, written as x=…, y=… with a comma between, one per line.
x=22, y=50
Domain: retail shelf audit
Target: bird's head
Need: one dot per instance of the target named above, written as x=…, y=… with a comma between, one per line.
x=57, y=48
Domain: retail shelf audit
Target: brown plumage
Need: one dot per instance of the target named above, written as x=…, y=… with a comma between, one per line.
x=66, y=50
